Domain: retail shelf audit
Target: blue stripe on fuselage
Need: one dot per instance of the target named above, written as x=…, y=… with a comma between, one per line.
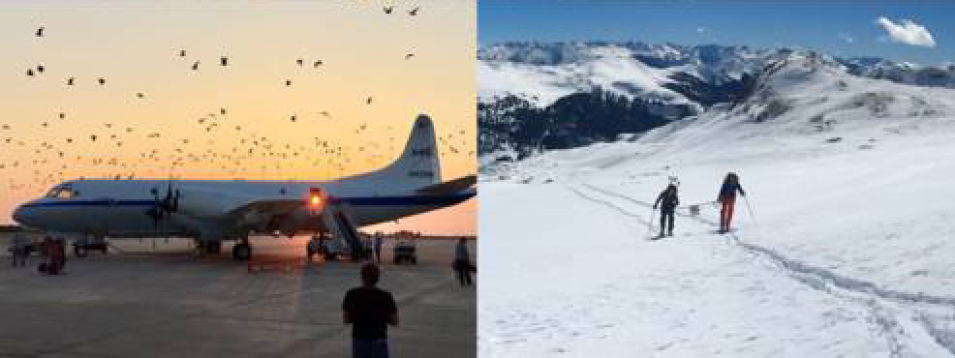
x=354, y=201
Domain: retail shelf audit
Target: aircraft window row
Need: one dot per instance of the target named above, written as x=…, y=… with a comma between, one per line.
x=63, y=193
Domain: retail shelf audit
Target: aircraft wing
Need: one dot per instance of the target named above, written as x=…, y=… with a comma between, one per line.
x=270, y=206
x=218, y=204
x=261, y=214
x=449, y=187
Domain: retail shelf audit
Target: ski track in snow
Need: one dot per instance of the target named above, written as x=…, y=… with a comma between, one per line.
x=607, y=300
x=898, y=314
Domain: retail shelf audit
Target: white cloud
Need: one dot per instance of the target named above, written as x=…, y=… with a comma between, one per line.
x=845, y=37
x=906, y=32
x=701, y=30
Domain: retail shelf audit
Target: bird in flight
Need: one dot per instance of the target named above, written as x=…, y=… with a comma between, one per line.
x=224, y=61
x=414, y=12
x=368, y=101
x=195, y=66
x=69, y=82
x=409, y=56
x=39, y=32
x=389, y=9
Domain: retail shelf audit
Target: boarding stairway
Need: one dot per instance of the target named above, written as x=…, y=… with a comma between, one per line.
x=346, y=239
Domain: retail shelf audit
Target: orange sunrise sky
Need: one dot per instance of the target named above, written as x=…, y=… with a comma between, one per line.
x=156, y=117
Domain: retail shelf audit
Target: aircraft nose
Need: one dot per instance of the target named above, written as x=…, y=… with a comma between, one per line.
x=23, y=215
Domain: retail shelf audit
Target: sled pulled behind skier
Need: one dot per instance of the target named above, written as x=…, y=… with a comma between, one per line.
x=727, y=200
x=668, y=200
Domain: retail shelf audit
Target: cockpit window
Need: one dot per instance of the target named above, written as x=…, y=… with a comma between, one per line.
x=62, y=192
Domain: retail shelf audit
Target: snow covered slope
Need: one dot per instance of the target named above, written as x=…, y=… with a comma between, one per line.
x=848, y=249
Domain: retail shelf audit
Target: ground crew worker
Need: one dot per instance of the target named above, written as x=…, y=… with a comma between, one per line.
x=323, y=245
x=378, y=241
x=369, y=310
x=19, y=249
x=727, y=200
x=47, y=250
x=59, y=255
x=462, y=262
x=667, y=201
x=313, y=247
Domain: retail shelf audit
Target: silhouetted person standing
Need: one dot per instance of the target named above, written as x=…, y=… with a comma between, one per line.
x=19, y=249
x=376, y=243
x=462, y=262
x=727, y=200
x=369, y=310
x=313, y=247
x=667, y=201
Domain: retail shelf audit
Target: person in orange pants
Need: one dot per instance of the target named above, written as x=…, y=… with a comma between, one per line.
x=727, y=200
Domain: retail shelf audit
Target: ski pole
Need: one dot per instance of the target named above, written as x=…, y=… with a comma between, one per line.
x=750, y=209
x=650, y=222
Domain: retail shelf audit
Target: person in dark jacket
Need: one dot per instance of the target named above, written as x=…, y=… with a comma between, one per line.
x=370, y=310
x=727, y=200
x=667, y=201
x=462, y=262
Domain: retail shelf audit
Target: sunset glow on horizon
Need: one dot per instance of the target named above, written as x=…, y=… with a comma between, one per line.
x=233, y=90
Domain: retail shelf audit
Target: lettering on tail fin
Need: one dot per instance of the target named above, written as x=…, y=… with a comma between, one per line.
x=421, y=174
x=417, y=166
x=422, y=152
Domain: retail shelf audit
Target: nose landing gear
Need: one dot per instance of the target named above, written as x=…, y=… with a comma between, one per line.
x=209, y=247
x=82, y=247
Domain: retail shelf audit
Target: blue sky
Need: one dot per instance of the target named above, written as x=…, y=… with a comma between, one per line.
x=843, y=28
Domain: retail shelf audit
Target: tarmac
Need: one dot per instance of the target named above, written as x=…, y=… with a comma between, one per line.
x=169, y=302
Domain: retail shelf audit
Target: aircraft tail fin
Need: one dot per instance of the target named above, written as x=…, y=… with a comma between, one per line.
x=419, y=164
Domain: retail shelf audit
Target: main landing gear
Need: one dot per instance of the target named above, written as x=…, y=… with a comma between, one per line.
x=82, y=247
x=242, y=251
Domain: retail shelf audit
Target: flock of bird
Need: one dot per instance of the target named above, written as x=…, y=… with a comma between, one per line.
x=224, y=149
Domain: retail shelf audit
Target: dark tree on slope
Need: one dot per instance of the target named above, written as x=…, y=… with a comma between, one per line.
x=575, y=120
x=705, y=93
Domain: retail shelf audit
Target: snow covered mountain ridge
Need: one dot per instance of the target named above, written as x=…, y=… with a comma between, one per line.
x=711, y=62
x=541, y=96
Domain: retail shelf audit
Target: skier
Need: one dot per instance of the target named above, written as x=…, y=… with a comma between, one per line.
x=668, y=201
x=727, y=199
